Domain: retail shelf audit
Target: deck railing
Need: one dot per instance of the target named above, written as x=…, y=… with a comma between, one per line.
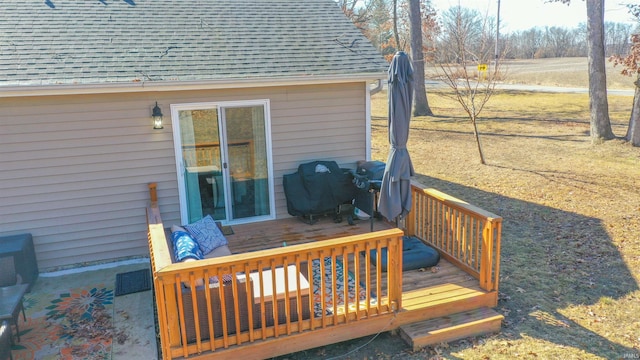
x=266, y=294
x=465, y=234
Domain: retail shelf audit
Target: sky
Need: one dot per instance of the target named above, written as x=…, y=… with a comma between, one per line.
x=517, y=15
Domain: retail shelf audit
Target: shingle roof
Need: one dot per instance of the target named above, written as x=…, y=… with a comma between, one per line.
x=121, y=41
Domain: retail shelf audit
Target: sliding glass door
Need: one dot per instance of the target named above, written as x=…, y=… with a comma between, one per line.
x=224, y=161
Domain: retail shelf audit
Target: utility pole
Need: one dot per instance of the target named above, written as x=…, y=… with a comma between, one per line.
x=497, y=37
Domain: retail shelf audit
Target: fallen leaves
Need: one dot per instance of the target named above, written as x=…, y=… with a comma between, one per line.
x=433, y=269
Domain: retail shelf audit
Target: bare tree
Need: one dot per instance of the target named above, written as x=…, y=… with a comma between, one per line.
x=581, y=44
x=395, y=24
x=379, y=29
x=633, y=132
x=402, y=25
x=598, y=103
x=471, y=89
x=357, y=11
x=559, y=41
x=420, y=104
x=617, y=38
x=632, y=63
x=525, y=44
x=376, y=19
x=631, y=66
x=460, y=24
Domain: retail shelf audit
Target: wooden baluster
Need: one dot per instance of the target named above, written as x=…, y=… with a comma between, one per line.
x=300, y=313
x=236, y=304
x=250, y=301
x=274, y=299
x=287, y=302
x=356, y=272
x=207, y=297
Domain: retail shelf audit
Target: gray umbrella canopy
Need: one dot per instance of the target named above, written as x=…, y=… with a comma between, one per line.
x=395, y=191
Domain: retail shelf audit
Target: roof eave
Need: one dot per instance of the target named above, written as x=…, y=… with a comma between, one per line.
x=142, y=86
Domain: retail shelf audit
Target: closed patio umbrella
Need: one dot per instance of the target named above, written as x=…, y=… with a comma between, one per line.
x=395, y=191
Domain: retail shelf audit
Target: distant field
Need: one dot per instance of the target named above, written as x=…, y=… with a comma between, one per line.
x=566, y=72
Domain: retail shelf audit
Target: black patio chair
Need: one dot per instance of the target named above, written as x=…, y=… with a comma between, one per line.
x=8, y=277
x=5, y=341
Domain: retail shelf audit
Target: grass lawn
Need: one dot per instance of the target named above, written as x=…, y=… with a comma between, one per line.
x=571, y=236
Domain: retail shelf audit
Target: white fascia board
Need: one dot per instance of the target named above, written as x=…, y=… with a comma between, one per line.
x=77, y=89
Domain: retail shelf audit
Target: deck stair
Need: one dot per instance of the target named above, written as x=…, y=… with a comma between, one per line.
x=451, y=327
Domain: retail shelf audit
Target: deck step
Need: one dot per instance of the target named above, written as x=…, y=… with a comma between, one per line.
x=452, y=327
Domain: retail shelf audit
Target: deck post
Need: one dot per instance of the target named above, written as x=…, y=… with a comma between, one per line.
x=497, y=240
x=153, y=195
x=394, y=271
x=486, y=266
x=162, y=321
x=490, y=266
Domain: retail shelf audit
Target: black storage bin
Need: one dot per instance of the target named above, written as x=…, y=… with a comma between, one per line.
x=373, y=170
x=368, y=178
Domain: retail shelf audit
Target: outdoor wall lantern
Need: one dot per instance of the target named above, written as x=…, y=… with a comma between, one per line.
x=157, y=117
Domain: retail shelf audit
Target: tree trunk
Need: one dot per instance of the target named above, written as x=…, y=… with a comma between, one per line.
x=633, y=133
x=421, y=104
x=476, y=134
x=598, y=103
x=395, y=24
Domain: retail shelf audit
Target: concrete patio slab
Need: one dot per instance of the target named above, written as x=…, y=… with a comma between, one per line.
x=131, y=330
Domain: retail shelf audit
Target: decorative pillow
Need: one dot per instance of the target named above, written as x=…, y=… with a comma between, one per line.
x=175, y=228
x=219, y=251
x=185, y=247
x=207, y=234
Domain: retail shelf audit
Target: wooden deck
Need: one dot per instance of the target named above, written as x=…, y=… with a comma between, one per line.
x=443, y=303
x=445, y=287
x=436, y=294
x=292, y=231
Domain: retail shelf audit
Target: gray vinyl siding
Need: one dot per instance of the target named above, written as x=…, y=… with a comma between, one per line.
x=74, y=169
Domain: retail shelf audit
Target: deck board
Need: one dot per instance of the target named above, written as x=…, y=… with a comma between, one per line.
x=292, y=231
x=272, y=234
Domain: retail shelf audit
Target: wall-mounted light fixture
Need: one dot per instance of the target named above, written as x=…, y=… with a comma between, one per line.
x=157, y=117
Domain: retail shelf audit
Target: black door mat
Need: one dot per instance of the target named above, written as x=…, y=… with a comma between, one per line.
x=133, y=282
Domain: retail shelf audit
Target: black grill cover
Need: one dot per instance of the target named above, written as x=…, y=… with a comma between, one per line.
x=318, y=187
